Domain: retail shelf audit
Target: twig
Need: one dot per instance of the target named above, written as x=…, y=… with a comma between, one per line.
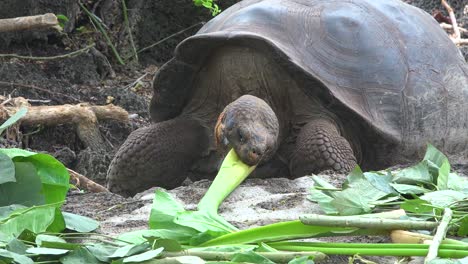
x=171, y=36
x=48, y=20
x=450, y=27
x=365, y=222
x=439, y=236
x=456, y=31
x=63, y=56
x=103, y=31
x=136, y=81
x=456, y=38
x=85, y=183
x=39, y=89
x=127, y=25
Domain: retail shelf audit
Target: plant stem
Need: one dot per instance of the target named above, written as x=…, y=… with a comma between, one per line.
x=287, y=230
x=366, y=245
x=444, y=253
x=278, y=257
x=232, y=172
x=103, y=31
x=364, y=222
x=127, y=25
x=439, y=236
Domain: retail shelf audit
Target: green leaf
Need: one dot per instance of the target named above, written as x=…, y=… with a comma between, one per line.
x=17, y=246
x=140, y=236
x=36, y=219
x=251, y=257
x=27, y=235
x=414, y=175
x=225, y=248
x=203, y=221
x=302, y=260
x=265, y=248
x=13, y=119
x=53, y=174
x=27, y=188
x=129, y=250
x=457, y=183
x=144, y=256
x=169, y=245
x=443, y=198
x=79, y=256
x=80, y=223
x=5, y=211
x=102, y=251
x=48, y=238
x=357, y=198
x=434, y=155
x=463, y=230
x=416, y=206
x=408, y=189
x=8, y=256
x=204, y=236
x=380, y=181
x=443, y=177
x=46, y=251
x=8, y=169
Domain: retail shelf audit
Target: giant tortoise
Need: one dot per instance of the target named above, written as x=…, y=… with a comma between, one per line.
x=297, y=87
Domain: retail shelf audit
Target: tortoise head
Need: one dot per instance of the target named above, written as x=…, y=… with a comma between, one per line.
x=250, y=127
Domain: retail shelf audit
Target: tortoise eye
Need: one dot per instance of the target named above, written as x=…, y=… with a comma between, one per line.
x=241, y=136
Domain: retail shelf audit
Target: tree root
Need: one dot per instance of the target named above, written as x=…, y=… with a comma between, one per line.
x=84, y=116
x=38, y=22
x=85, y=183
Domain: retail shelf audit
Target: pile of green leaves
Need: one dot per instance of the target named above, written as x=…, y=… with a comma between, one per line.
x=422, y=190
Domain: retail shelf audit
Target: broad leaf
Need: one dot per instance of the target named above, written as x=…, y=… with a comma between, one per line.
x=27, y=188
x=408, y=189
x=144, y=256
x=129, y=250
x=46, y=251
x=8, y=256
x=414, y=175
x=79, y=223
x=203, y=221
x=7, y=169
x=251, y=257
x=79, y=256
x=17, y=246
x=36, y=219
x=53, y=174
x=416, y=206
x=102, y=251
x=443, y=177
x=443, y=198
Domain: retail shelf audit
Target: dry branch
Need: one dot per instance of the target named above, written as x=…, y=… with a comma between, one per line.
x=85, y=183
x=48, y=20
x=456, y=37
x=84, y=116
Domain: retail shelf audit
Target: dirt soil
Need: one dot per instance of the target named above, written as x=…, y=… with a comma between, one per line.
x=96, y=77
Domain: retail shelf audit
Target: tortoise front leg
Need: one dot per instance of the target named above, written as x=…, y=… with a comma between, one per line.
x=319, y=147
x=158, y=155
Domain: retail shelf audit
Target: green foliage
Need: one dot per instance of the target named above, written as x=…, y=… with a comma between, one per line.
x=62, y=20
x=422, y=190
x=209, y=4
x=13, y=119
